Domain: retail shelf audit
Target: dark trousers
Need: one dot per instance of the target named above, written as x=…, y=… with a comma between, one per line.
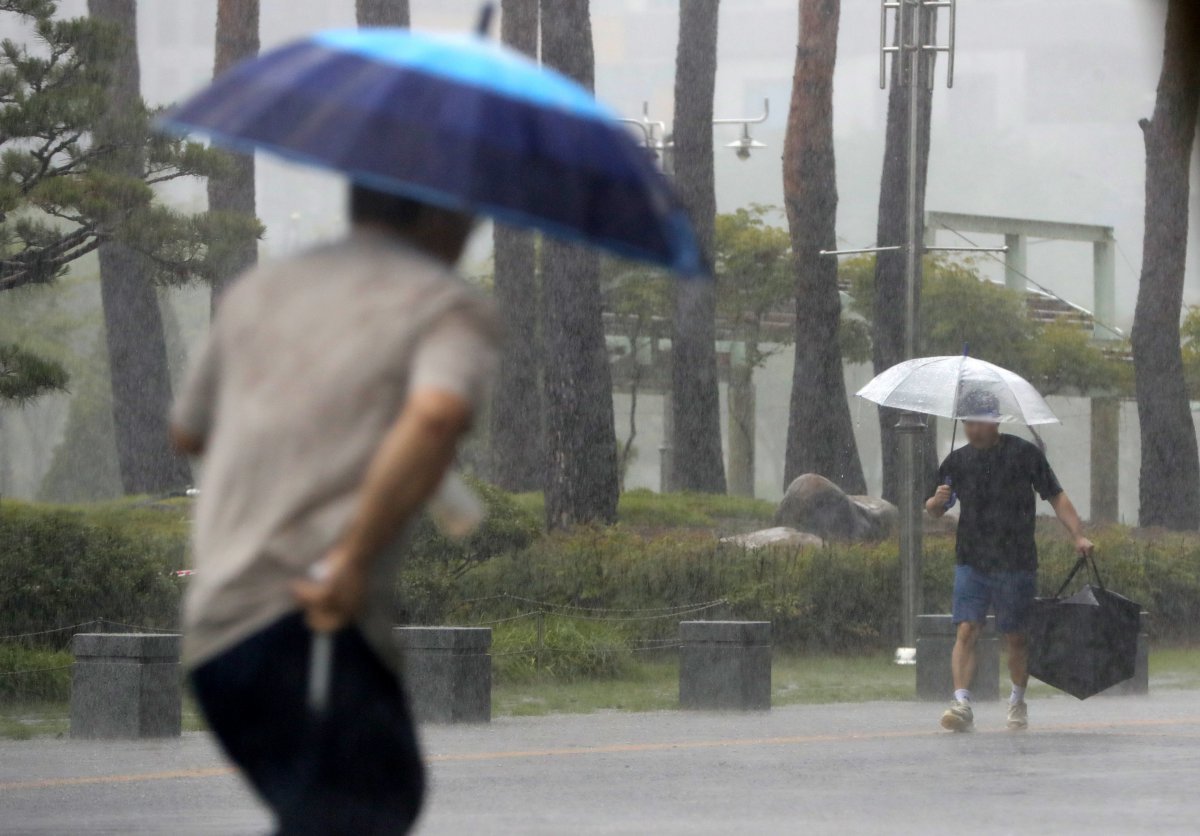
x=355, y=769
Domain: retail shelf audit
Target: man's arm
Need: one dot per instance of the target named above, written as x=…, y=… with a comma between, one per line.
x=936, y=504
x=1064, y=509
x=405, y=471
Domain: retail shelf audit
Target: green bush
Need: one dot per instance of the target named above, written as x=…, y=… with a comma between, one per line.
x=570, y=650
x=426, y=587
x=66, y=565
x=62, y=566
x=31, y=675
x=837, y=599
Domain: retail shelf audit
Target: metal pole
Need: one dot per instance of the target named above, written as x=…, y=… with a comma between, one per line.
x=911, y=427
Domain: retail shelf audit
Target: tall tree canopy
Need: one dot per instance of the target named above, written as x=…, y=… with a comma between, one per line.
x=696, y=410
x=78, y=166
x=1169, y=484
x=516, y=429
x=581, y=442
x=820, y=433
x=382, y=12
x=233, y=190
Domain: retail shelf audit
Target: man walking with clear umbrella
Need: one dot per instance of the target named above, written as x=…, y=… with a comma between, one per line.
x=994, y=477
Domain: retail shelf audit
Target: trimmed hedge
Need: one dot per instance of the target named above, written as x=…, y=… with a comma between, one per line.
x=63, y=565
x=841, y=598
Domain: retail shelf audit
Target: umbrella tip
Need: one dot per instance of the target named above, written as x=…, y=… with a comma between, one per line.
x=484, y=28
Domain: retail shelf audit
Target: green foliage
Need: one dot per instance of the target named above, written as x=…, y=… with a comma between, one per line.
x=29, y=674
x=25, y=376
x=1189, y=332
x=755, y=272
x=959, y=307
x=435, y=561
x=61, y=566
x=76, y=170
x=644, y=509
x=570, y=650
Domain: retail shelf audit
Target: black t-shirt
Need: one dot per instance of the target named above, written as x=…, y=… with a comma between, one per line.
x=995, y=491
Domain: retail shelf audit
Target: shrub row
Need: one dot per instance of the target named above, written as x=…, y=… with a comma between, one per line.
x=62, y=565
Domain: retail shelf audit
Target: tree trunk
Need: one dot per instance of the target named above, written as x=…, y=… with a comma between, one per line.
x=236, y=40
x=141, y=383
x=697, y=464
x=820, y=433
x=516, y=417
x=887, y=334
x=581, y=441
x=382, y=12
x=1169, y=483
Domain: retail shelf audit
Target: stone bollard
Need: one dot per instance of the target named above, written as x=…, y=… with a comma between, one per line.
x=1139, y=685
x=935, y=643
x=125, y=685
x=448, y=672
x=725, y=665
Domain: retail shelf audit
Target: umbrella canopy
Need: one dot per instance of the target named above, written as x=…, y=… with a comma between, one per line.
x=457, y=121
x=959, y=387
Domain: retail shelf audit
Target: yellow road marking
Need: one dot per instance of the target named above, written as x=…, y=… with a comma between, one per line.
x=615, y=749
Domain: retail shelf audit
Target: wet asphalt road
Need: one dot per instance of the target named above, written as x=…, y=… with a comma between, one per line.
x=1109, y=765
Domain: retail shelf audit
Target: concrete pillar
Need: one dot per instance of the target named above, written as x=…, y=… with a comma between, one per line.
x=448, y=672
x=1105, y=460
x=741, y=409
x=125, y=685
x=935, y=642
x=1139, y=685
x=1104, y=287
x=1015, y=263
x=725, y=665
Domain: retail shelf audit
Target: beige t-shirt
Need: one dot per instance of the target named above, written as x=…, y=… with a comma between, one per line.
x=306, y=367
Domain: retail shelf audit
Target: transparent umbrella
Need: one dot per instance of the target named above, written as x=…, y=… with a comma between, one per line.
x=959, y=387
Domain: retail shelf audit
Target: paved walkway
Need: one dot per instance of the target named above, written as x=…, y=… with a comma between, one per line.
x=1109, y=765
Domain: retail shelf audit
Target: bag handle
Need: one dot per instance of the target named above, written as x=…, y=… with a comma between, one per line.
x=1084, y=560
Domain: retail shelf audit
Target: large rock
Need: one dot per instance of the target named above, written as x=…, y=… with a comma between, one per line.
x=780, y=536
x=816, y=505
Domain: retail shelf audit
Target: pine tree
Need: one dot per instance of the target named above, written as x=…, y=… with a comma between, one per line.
x=696, y=463
x=820, y=433
x=516, y=431
x=233, y=190
x=1169, y=485
x=581, y=441
x=78, y=166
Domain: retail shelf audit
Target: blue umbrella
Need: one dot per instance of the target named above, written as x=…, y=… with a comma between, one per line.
x=457, y=121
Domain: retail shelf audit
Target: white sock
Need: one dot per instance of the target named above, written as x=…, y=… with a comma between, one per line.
x=1018, y=695
x=962, y=695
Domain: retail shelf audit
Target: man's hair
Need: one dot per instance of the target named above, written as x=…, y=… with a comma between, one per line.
x=978, y=404
x=369, y=205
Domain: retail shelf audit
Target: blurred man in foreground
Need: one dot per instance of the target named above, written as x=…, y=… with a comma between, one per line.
x=995, y=476
x=327, y=403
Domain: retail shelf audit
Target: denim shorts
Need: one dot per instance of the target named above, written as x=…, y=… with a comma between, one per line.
x=1008, y=593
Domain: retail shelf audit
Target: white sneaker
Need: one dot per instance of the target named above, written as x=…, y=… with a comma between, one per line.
x=959, y=717
x=1018, y=716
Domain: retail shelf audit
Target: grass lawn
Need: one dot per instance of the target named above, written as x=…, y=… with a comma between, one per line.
x=653, y=686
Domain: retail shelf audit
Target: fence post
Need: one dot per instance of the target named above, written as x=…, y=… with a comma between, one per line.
x=725, y=665
x=448, y=672
x=125, y=685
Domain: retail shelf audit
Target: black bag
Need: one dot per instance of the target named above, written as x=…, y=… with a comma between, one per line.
x=1087, y=642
